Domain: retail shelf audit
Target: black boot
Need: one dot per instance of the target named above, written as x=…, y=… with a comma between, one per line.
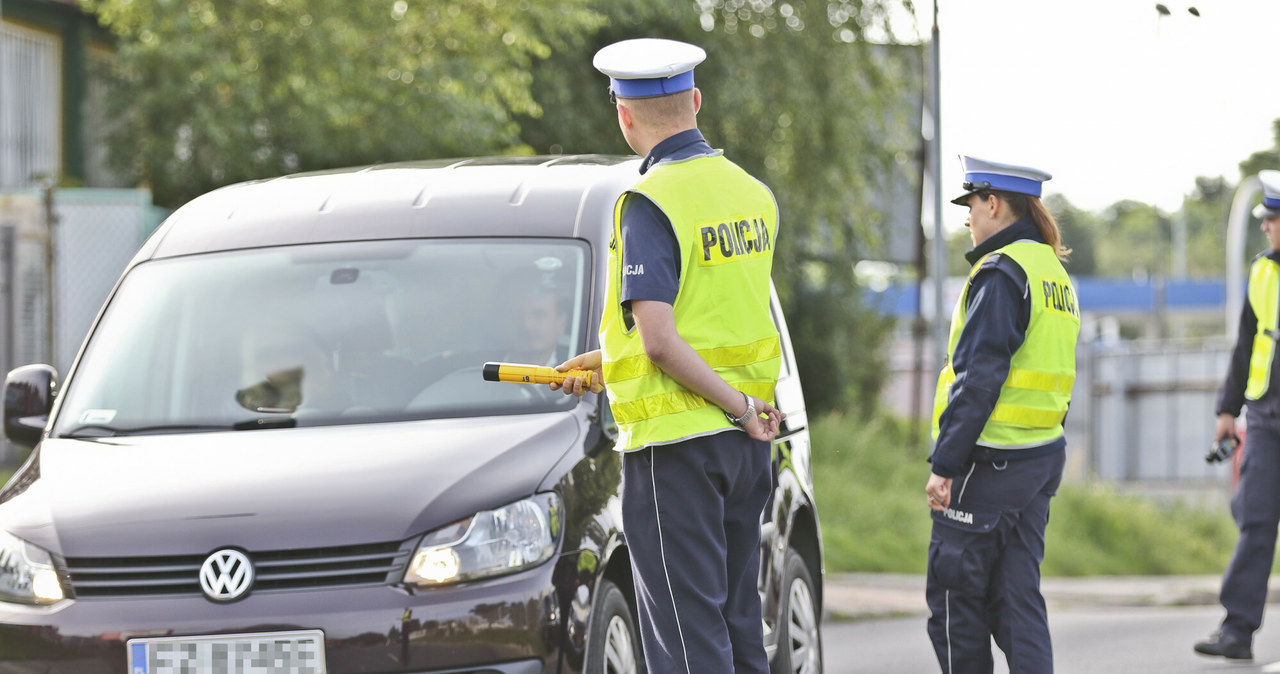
x=1226, y=646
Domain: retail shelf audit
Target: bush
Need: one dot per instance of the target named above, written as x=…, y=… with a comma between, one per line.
x=1096, y=530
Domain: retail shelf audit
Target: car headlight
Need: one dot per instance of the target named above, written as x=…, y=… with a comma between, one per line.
x=490, y=543
x=27, y=575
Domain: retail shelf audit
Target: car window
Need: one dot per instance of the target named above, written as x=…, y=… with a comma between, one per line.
x=329, y=334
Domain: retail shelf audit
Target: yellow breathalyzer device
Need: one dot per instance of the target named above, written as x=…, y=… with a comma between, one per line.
x=531, y=374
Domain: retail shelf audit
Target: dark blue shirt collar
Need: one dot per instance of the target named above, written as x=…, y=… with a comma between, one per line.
x=1022, y=228
x=683, y=145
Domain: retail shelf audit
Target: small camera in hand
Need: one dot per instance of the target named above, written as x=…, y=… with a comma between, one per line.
x=1221, y=450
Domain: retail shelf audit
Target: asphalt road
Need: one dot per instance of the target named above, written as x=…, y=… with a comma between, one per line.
x=1088, y=640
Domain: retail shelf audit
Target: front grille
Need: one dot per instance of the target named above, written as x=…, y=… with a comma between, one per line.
x=274, y=570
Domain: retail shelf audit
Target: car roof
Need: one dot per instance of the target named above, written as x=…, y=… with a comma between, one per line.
x=547, y=196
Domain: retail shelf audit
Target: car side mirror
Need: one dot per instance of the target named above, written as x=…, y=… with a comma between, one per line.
x=28, y=397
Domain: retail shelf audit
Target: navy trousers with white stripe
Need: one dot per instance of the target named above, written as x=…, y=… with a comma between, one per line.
x=1256, y=509
x=691, y=514
x=984, y=567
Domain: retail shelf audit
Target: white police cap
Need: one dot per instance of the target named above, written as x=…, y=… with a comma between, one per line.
x=983, y=174
x=648, y=67
x=1270, y=206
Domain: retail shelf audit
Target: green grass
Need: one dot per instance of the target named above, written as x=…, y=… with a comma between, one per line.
x=869, y=480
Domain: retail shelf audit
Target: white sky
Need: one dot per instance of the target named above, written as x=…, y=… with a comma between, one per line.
x=1114, y=100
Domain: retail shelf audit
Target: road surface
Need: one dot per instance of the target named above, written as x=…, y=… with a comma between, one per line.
x=1089, y=640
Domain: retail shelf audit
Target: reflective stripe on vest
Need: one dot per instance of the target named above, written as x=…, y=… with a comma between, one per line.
x=725, y=222
x=1264, y=292
x=1034, y=397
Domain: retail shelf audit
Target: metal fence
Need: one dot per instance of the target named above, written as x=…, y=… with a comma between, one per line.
x=95, y=233
x=22, y=296
x=1148, y=408
x=1141, y=411
x=30, y=98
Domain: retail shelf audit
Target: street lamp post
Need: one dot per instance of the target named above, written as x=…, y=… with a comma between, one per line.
x=1178, y=258
x=1237, y=222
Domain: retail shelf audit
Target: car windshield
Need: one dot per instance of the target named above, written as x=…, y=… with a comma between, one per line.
x=331, y=333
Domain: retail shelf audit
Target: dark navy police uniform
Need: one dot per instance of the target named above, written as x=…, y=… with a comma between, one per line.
x=1256, y=502
x=691, y=509
x=985, y=551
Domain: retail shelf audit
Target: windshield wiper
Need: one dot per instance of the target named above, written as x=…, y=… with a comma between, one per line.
x=102, y=431
x=90, y=431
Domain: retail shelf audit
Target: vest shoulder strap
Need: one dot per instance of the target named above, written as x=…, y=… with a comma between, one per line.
x=1001, y=262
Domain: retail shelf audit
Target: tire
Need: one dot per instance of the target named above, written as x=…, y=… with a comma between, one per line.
x=613, y=643
x=799, y=630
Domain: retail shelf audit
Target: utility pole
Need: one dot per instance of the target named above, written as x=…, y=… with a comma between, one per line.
x=939, y=266
x=50, y=295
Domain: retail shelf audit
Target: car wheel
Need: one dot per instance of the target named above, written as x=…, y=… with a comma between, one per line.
x=613, y=644
x=799, y=635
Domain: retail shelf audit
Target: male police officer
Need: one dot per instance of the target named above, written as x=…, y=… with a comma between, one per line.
x=1000, y=449
x=1250, y=380
x=690, y=356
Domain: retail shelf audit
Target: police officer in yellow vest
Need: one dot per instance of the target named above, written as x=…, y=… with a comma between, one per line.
x=999, y=445
x=690, y=357
x=1251, y=381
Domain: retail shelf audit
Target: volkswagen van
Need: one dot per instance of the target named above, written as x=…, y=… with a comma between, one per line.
x=275, y=448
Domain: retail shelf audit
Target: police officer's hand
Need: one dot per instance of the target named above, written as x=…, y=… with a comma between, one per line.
x=1225, y=428
x=590, y=360
x=938, y=490
x=1225, y=439
x=764, y=426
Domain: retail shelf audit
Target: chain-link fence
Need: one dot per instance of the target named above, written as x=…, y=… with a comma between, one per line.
x=95, y=233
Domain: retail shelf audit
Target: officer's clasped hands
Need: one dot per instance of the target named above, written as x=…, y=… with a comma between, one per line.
x=938, y=492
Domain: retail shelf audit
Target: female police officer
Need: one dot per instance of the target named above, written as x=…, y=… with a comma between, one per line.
x=999, y=444
x=1256, y=504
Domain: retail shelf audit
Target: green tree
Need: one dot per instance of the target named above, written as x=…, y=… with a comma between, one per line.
x=1264, y=159
x=1137, y=241
x=1077, y=227
x=1205, y=213
x=217, y=92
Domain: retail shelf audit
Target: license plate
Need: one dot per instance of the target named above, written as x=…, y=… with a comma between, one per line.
x=300, y=652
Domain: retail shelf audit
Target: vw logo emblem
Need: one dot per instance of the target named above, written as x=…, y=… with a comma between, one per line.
x=226, y=575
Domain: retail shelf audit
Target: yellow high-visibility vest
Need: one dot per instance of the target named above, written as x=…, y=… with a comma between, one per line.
x=725, y=222
x=1034, y=398
x=1264, y=292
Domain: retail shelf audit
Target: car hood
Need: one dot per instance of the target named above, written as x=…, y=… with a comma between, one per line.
x=283, y=488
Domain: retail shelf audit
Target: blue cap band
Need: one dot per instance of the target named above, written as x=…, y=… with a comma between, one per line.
x=999, y=181
x=650, y=87
x=1271, y=202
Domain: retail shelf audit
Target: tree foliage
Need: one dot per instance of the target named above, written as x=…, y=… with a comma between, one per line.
x=1136, y=240
x=218, y=92
x=1268, y=158
x=1077, y=227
